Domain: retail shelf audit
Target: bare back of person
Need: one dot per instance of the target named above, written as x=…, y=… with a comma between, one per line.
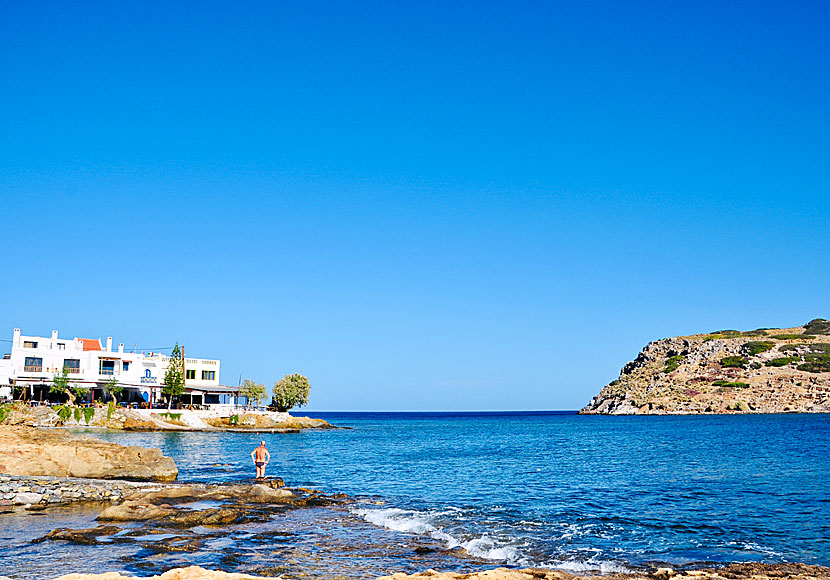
x=261, y=457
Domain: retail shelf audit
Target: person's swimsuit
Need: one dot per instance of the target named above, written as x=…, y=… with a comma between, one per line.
x=259, y=463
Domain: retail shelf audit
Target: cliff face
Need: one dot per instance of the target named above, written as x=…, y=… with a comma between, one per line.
x=760, y=371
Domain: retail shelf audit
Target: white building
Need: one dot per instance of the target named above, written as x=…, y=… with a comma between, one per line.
x=35, y=360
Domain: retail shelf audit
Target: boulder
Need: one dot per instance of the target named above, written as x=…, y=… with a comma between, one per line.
x=26, y=498
x=30, y=451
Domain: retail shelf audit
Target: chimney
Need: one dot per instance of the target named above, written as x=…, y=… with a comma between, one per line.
x=16, y=338
x=109, y=344
x=121, y=347
x=54, y=335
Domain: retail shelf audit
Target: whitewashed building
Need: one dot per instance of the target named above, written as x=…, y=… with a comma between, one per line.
x=34, y=361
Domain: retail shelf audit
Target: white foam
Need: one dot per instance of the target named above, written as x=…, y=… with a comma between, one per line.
x=415, y=522
x=604, y=567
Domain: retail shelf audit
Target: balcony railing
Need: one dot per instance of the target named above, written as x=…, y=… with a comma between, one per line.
x=107, y=371
x=33, y=369
x=71, y=370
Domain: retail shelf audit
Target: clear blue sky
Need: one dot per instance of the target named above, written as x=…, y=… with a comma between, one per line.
x=421, y=206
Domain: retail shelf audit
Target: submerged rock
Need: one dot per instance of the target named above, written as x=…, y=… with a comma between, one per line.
x=79, y=536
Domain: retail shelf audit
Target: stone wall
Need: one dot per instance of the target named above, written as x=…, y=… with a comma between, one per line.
x=34, y=490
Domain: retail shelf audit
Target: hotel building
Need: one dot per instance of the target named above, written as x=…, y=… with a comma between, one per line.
x=35, y=360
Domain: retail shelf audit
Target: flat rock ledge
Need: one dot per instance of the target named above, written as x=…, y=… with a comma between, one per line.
x=730, y=572
x=55, y=452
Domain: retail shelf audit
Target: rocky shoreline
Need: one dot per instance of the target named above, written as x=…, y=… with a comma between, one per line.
x=730, y=572
x=127, y=419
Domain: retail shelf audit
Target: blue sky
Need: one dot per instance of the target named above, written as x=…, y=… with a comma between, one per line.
x=436, y=206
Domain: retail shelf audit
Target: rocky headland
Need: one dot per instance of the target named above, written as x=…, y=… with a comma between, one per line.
x=769, y=370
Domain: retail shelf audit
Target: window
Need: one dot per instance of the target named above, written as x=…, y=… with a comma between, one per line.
x=61, y=346
x=72, y=365
x=33, y=365
x=126, y=365
x=208, y=375
x=107, y=367
x=29, y=344
x=190, y=374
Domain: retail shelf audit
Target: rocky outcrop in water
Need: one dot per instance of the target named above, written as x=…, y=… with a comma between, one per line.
x=28, y=451
x=760, y=371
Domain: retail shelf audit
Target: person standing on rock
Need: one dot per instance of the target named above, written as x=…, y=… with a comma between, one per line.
x=261, y=458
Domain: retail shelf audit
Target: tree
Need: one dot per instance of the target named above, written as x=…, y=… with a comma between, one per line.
x=112, y=388
x=173, y=385
x=61, y=384
x=252, y=390
x=291, y=391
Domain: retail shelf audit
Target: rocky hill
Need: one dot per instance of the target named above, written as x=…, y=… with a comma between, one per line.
x=769, y=370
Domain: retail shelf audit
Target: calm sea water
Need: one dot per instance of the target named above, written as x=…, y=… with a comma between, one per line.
x=558, y=490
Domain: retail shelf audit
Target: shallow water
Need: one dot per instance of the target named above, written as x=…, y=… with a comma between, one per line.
x=566, y=491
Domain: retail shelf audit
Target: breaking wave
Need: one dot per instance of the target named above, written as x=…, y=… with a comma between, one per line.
x=427, y=524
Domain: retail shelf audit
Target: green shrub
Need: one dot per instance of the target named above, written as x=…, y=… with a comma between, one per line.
x=817, y=326
x=89, y=413
x=755, y=365
x=788, y=336
x=730, y=385
x=673, y=363
x=233, y=420
x=171, y=416
x=110, y=409
x=816, y=348
x=782, y=361
x=614, y=383
x=64, y=412
x=77, y=414
x=737, y=333
x=815, y=363
x=756, y=332
x=733, y=361
x=757, y=347
x=5, y=411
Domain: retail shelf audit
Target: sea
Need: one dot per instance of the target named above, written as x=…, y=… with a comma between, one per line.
x=465, y=491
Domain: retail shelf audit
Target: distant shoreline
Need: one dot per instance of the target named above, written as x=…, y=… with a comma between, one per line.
x=314, y=414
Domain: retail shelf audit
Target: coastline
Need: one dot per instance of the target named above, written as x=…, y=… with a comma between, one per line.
x=350, y=519
x=729, y=572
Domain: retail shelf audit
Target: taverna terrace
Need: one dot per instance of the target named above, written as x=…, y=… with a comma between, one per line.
x=27, y=372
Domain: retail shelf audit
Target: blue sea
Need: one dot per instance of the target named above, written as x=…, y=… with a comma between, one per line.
x=559, y=490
